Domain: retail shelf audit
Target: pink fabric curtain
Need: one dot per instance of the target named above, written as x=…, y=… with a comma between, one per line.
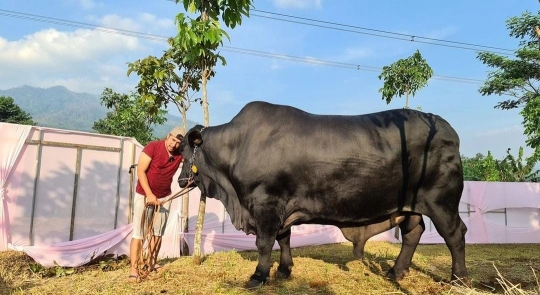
x=78, y=252
x=13, y=138
x=518, y=202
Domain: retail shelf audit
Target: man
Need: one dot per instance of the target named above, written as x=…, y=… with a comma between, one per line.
x=156, y=167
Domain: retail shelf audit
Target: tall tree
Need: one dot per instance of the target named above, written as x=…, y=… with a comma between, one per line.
x=519, y=76
x=10, y=112
x=405, y=77
x=201, y=38
x=129, y=116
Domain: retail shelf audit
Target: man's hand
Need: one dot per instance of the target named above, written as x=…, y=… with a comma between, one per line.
x=151, y=200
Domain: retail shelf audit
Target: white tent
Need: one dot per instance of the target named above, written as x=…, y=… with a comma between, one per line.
x=66, y=196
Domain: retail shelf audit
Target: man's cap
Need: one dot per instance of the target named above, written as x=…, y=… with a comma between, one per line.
x=178, y=132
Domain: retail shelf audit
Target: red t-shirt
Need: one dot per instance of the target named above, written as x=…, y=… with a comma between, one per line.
x=161, y=170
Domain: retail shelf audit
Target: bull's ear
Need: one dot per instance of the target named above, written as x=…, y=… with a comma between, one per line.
x=194, y=138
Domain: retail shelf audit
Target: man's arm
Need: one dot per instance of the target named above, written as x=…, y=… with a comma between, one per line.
x=142, y=166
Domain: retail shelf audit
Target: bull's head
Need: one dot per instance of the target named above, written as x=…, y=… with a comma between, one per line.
x=188, y=148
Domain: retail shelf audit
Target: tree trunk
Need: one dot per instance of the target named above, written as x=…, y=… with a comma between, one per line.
x=185, y=219
x=407, y=99
x=185, y=198
x=202, y=204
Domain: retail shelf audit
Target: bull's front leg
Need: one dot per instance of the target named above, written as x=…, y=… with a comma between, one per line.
x=285, y=259
x=264, y=243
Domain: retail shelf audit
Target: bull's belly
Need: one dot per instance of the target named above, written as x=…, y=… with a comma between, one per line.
x=350, y=211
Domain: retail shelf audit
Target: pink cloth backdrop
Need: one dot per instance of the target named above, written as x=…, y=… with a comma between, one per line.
x=493, y=212
x=12, y=141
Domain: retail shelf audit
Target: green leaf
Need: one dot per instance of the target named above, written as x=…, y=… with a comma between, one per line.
x=192, y=7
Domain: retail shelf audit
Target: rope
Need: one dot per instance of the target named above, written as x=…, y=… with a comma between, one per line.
x=149, y=217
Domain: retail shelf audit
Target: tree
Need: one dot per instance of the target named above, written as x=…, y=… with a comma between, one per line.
x=12, y=113
x=129, y=116
x=480, y=168
x=167, y=80
x=518, y=169
x=509, y=169
x=519, y=76
x=405, y=77
x=200, y=38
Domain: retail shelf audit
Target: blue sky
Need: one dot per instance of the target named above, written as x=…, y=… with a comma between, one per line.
x=43, y=52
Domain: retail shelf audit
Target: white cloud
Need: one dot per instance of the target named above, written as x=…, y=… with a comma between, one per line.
x=82, y=60
x=118, y=22
x=353, y=54
x=299, y=4
x=145, y=23
x=152, y=20
x=442, y=33
x=60, y=49
x=516, y=129
x=87, y=4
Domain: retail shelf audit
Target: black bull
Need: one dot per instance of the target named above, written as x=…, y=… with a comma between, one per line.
x=276, y=166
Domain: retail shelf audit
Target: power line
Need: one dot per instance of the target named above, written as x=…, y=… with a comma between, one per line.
x=410, y=38
x=377, y=32
x=388, y=34
x=129, y=33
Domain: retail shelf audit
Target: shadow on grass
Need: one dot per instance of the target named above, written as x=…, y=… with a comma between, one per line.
x=14, y=272
x=293, y=285
x=378, y=261
x=4, y=288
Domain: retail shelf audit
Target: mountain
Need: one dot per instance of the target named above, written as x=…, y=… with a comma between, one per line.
x=58, y=107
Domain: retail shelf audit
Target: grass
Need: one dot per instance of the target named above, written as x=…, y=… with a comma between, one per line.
x=326, y=269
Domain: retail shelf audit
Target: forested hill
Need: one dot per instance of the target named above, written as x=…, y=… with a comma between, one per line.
x=58, y=107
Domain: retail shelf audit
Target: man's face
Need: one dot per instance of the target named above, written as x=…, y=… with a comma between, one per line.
x=172, y=143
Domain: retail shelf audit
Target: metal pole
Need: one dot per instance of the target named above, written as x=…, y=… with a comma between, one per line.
x=34, y=191
x=75, y=187
x=118, y=182
x=131, y=181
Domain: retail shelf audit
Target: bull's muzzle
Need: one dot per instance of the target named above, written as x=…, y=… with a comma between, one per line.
x=183, y=182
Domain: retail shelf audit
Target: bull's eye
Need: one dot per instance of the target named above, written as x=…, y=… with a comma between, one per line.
x=194, y=169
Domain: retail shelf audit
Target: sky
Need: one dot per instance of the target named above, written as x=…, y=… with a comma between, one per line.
x=322, y=56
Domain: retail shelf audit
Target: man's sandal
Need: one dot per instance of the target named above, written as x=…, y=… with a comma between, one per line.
x=134, y=278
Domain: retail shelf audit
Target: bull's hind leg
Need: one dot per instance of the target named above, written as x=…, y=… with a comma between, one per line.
x=285, y=259
x=411, y=231
x=452, y=229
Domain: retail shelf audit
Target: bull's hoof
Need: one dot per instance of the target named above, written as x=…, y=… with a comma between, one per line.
x=359, y=256
x=461, y=281
x=256, y=281
x=252, y=284
x=394, y=275
x=283, y=273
